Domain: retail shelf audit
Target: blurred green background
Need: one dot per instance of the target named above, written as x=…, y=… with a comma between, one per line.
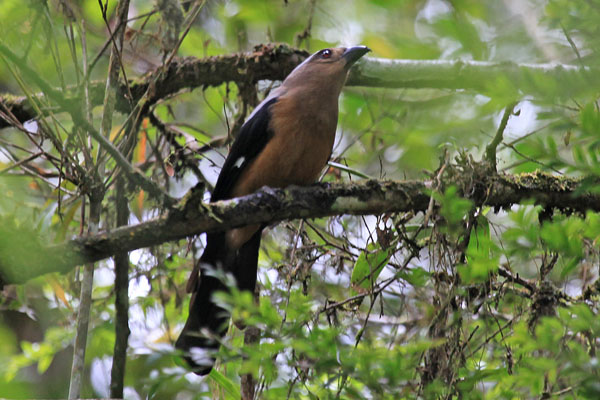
x=372, y=349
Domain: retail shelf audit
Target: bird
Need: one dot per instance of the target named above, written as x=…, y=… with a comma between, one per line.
x=287, y=140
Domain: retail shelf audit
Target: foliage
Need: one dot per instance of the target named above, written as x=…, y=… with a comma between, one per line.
x=459, y=302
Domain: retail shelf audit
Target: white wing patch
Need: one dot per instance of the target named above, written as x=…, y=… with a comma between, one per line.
x=239, y=162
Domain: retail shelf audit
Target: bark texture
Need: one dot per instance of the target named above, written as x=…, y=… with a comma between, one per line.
x=192, y=217
x=276, y=61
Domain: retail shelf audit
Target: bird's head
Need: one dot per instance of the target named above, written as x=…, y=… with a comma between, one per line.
x=327, y=68
x=335, y=59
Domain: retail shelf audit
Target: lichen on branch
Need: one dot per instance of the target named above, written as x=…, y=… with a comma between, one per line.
x=193, y=217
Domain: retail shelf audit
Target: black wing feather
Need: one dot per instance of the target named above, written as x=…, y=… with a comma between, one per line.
x=252, y=139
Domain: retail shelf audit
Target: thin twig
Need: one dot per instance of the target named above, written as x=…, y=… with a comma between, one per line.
x=109, y=40
x=21, y=162
x=193, y=15
x=487, y=340
x=78, y=119
x=306, y=33
x=490, y=150
x=121, y=261
x=115, y=55
x=85, y=305
x=516, y=279
x=532, y=160
x=573, y=45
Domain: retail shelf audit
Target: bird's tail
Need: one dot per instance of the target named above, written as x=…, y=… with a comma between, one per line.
x=207, y=321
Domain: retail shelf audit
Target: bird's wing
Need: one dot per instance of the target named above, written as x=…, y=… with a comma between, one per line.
x=252, y=139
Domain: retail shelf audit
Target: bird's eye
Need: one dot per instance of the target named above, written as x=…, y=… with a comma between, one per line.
x=325, y=53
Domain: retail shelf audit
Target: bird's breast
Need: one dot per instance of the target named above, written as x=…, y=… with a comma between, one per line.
x=303, y=137
x=301, y=145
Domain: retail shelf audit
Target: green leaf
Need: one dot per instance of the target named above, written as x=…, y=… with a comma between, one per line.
x=454, y=208
x=368, y=266
x=416, y=276
x=44, y=362
x=590, y=120
x=232, y=390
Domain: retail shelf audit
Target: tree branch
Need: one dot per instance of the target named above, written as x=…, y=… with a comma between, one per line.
x=193, y=217
x=276, y=61
x=481, y=76
x=121, y=260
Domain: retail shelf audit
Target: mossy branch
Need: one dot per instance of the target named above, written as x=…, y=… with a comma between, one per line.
x=275, y=61
x=192, y=217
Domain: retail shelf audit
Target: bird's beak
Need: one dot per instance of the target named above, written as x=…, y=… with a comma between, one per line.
x=352, y=54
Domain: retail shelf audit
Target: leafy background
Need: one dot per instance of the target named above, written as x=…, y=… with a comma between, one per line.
x=329, y=327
